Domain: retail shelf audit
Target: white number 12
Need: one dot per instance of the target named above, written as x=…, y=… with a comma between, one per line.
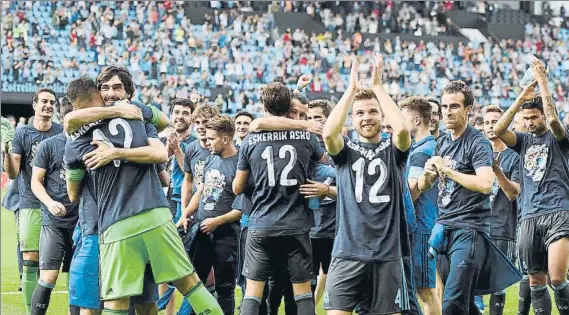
x=359, y=168
x=268, y=155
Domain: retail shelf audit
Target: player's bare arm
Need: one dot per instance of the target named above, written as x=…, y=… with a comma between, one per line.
x=313, y=189
x=73, y=179
x=392, y=112
x=80, y=117
x=175, y=149
x=511, y=188
x=164, y=178
x=429, y=176
x=153, y=153
x=240, y=182
x=275, y=123
x=549, y=108
x=56, y=208
x=481, y=182
x=501, y=127
x=191, y=208
x=303, y=82
x=187, y=186
x=414, y=188
x=211, y=224
x=12, y=164
x=332, y=133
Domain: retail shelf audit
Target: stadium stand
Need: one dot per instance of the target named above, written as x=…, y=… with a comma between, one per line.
x=238, y=48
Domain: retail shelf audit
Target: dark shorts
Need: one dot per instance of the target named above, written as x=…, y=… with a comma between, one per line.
x=536, y=234
x=264, y=255
x=508, y=247
x=377, y=287
x=321, y=254
x=424, y=269
x=56, y=247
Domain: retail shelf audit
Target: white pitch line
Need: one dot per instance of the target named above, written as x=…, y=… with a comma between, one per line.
x=18, y=292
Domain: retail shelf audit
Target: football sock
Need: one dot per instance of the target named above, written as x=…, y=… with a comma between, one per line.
x=540, y=300
x=524, y=297
x=40, y=298
x=561, y=293
x=497, y=301
x=29, y=282
x=305, y=304
x=74, y=310
x=250, y=305
x=202, y=301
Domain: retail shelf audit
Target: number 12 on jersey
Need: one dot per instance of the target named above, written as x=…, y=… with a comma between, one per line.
x=359, y=168
x=268, y=155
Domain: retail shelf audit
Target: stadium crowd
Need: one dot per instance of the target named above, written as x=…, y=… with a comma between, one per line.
x=287, y=204
x=51, y=43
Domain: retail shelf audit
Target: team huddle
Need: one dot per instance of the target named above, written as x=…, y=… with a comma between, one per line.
x=288, y=205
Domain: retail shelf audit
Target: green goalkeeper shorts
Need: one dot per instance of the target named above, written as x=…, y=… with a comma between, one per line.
x=122, y=262
x=29, y=228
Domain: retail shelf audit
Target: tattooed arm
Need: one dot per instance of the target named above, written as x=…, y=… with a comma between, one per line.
x=551, y=114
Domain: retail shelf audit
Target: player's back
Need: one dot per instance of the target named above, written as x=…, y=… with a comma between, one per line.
x=279, y=162
x=121, y=189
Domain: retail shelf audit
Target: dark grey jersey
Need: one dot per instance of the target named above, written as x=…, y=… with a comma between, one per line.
x=25, y=143
x=217, y=196
x=194, y=161
x=279, y=163
x=49, y=157
x=370, y=220
x=504, y=219
x=121, y=189
x=543, y=162
x=460, y=207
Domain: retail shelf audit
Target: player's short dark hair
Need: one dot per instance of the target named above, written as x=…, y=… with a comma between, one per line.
x=43, y=90
x=420, y=106
x=478, y=120
x=205, y=112
x=365, y=94
x=300, y=97
x=123, y=74
x=244, y=113
x=535, y=103
x=222, y=124
x=439, y=110
x=456, y=87
x=276, y=99
x=184, y=102
x=83, y=88
x=492, y=109
x=326, y=106
x=65, y=107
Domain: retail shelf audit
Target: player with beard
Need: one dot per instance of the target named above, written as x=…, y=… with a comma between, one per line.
x=544, y=229
x=215, y=244
x=242, y=121
x=59, y=215
x=505, y=191
x=134, y=221
x=196, y=153
x=115, y=84
x=463, y=165
x=176, y=142
x=116, y=87
x=418, y=112
x=18, y=163
x=279, y=223
x=370, y=264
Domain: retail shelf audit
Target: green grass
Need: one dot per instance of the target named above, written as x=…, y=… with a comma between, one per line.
x=11, y=300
